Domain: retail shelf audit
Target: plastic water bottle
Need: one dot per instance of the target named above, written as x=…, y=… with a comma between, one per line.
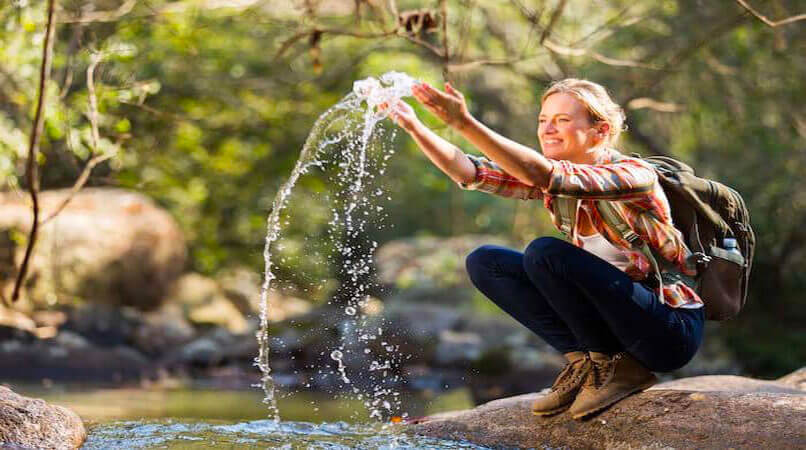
x=731, y=246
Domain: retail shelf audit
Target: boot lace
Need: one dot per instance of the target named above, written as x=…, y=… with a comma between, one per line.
x=570, y=374
x=600, y=371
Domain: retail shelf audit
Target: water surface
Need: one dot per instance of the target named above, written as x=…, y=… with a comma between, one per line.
x=196, y=418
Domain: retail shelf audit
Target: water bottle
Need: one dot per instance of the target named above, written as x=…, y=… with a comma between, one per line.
x=732, y=246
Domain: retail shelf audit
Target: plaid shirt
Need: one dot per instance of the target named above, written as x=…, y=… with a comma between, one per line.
x=637, y=196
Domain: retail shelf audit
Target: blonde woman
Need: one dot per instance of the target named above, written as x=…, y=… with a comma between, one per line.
x=596, y=299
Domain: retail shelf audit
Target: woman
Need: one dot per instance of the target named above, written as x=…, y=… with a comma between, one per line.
x=600, y=300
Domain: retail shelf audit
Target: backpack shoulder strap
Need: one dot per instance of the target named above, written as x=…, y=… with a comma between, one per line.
x=565, y=209
x=614, y=221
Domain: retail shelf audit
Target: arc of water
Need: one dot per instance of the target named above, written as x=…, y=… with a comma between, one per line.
x=372, y=92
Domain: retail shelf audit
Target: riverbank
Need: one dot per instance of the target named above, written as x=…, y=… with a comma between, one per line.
x=700, y=412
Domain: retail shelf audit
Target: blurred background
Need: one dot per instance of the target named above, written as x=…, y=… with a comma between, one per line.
x=170, y=125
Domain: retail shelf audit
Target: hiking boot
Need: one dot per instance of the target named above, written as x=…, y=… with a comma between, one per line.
x=565, y=387
x=610, y=379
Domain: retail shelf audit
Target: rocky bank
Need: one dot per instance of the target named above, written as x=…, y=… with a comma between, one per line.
x=699, y=412
x=28, y=423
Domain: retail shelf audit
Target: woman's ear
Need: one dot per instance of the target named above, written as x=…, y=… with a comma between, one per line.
x=603, y=129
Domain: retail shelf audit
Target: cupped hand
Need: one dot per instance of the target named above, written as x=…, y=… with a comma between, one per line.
x=449, y=106
x=402, y=114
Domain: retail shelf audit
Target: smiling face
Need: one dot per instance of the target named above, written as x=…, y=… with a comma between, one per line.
x=565, y=128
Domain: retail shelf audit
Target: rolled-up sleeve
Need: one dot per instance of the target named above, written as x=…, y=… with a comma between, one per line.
x=625, y=179
x=492, y=179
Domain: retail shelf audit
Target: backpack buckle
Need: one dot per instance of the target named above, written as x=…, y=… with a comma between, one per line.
x=633, y=238
x=700, y=258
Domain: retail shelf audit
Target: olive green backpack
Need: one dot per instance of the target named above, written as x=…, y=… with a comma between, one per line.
x=706, y=212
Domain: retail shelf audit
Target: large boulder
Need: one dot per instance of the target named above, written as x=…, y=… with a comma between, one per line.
x=726, y=412
x=107, y=246
x=32, y=423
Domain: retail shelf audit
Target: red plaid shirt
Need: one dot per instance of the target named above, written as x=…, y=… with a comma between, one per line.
x=637, y=196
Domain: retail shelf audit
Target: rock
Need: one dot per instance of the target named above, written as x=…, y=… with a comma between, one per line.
x=15, y=325
x=796, y=379
x=109, y=246
x=728, y=383
x=242, y=287
x=204, y=352
x=204, y=304
x=161, y=330
x=71, y=357
x=656, y=418
x=32, y=423
x=104, y=325
x=49, y=318
x=214, y=348
x=421, y=322
x=457, y=348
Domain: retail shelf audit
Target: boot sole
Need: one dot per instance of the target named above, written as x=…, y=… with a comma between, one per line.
x=613, y=400
x=551, y=412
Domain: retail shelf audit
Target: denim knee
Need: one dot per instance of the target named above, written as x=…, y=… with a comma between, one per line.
x=544, y=247
x=478, y=261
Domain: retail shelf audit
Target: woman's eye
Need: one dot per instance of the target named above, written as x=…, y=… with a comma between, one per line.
x=563, y=119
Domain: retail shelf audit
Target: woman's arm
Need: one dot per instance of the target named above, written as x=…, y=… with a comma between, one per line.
x=472, y=173
x=444, y=155
x=522, y=162
x=449, y=158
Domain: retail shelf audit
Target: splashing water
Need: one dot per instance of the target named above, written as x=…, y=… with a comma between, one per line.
x=347, y=127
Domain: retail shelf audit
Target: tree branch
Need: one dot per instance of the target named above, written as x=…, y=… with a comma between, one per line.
x=31, y=170
x=767, y=21
x=288, y=43
x=555, y=16
x=568, y=51
x=650, y=103
x=94, y=160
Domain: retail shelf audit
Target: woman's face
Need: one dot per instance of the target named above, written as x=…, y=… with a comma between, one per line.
x=565, y=129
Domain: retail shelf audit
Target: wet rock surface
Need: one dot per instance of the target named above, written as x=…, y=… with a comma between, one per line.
x=32, y=423
x=743, y=413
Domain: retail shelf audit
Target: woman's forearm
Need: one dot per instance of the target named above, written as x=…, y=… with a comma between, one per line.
x=448, y=157
x=522, y=162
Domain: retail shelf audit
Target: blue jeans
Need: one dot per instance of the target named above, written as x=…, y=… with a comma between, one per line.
x=576, y=301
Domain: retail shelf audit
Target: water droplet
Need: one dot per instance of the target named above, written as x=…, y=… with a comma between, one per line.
x=350, y=311
x=336, y=355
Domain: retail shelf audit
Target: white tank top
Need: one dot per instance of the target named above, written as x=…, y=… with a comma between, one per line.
x=601, y=247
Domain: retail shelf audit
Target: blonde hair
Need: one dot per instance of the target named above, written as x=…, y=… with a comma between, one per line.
x=596, y=99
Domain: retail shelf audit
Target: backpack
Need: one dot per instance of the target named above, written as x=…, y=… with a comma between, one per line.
x=706, y=212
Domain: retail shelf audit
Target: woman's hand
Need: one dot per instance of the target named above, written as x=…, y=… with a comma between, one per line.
x=402, y=114
x=449, y=106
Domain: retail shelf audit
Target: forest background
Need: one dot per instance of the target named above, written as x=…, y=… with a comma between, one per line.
x=204, y=106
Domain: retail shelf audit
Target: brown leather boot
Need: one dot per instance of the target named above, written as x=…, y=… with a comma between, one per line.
x=610, y=380
x=565, y=387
